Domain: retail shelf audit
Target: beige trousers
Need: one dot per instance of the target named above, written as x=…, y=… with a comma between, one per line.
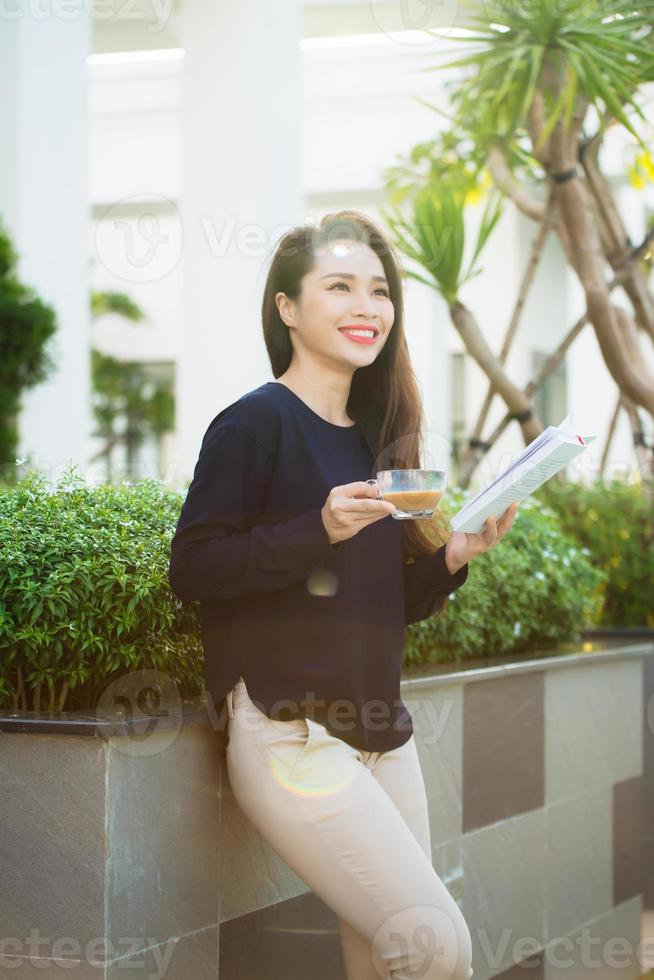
x=354, y=826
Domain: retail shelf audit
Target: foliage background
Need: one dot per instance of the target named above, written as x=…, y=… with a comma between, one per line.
x=615, y=521
x=538, y=588
x=84, y=592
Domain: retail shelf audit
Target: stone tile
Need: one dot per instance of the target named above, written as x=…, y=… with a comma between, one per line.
x=190, y=957
x=604, y=949
x=503, y=749
x=163, y=838
x=24, y=968
x=503, y=891
x=252, y=874
x=530, y=968
x=627, y=839
x=593, y=727
x=292, y=940
x=447, y=862
x=578, y=878
x=52, y=877
x=438, y=723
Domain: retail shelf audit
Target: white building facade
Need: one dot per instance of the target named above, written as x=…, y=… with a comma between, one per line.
x=199, y=156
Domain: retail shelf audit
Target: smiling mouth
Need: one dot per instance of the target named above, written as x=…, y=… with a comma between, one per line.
x=365, y=333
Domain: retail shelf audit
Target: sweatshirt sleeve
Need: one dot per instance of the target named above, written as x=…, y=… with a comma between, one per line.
x=427, y=584
x=218, y=549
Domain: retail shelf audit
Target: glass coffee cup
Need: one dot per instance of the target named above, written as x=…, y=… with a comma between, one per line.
x=415, y=493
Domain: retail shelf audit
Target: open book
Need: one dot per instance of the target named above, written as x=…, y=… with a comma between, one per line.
x=541, y=459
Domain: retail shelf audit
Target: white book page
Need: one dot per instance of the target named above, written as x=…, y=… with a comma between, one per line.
x=475, y=519
x=535, y=452
x=540, y=460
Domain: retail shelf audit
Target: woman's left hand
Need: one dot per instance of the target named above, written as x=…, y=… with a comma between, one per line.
x=463, y=546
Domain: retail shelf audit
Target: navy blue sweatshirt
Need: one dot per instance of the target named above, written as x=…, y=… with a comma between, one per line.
x=315, y=628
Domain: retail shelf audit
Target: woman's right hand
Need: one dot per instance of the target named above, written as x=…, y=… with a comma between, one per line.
x=351, y=507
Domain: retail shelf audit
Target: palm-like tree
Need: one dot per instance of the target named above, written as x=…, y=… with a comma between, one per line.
x=122, y=390
x=540, y=87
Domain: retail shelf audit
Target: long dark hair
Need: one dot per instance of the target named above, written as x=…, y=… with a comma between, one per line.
x=384, y=397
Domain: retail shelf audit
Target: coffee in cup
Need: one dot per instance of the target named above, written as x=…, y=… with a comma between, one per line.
x=416, y=493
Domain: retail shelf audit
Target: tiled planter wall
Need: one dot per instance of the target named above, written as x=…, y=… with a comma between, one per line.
x=540, y=776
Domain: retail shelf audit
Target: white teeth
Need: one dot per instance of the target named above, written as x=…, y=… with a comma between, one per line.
x=361, y=333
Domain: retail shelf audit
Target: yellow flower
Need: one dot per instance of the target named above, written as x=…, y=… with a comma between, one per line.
x=587, y=647
x=624, y=533
x=615, y=560
x=592, y=513
x=473, y=196
x=645, y=162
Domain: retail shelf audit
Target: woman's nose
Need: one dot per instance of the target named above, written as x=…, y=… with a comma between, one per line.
x=365, y=307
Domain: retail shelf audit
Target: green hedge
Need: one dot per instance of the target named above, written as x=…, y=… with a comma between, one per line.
x=84, y=593
x=538, y=588
x=615, y=521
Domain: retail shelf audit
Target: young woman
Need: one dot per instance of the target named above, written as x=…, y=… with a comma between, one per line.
x=306, y=586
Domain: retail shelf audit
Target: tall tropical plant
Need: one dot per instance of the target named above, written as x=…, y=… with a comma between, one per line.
x=531, y=105
x=128, y=404
x=26, y=326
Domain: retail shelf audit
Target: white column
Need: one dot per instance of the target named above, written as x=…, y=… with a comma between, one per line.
x=43, y=205
x=241, y=188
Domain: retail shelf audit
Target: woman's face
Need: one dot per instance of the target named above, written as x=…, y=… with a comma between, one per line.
x=345, y=291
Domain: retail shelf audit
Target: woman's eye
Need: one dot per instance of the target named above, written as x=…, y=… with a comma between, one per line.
x=381, y=289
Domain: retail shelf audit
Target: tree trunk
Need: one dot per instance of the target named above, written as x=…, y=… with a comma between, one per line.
x=63, y=694
x=588, y=256
x=643, y=454
x=609, y=434
x=475, y=344
x=616, y=242
x=547, y=367
x=548, y=218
